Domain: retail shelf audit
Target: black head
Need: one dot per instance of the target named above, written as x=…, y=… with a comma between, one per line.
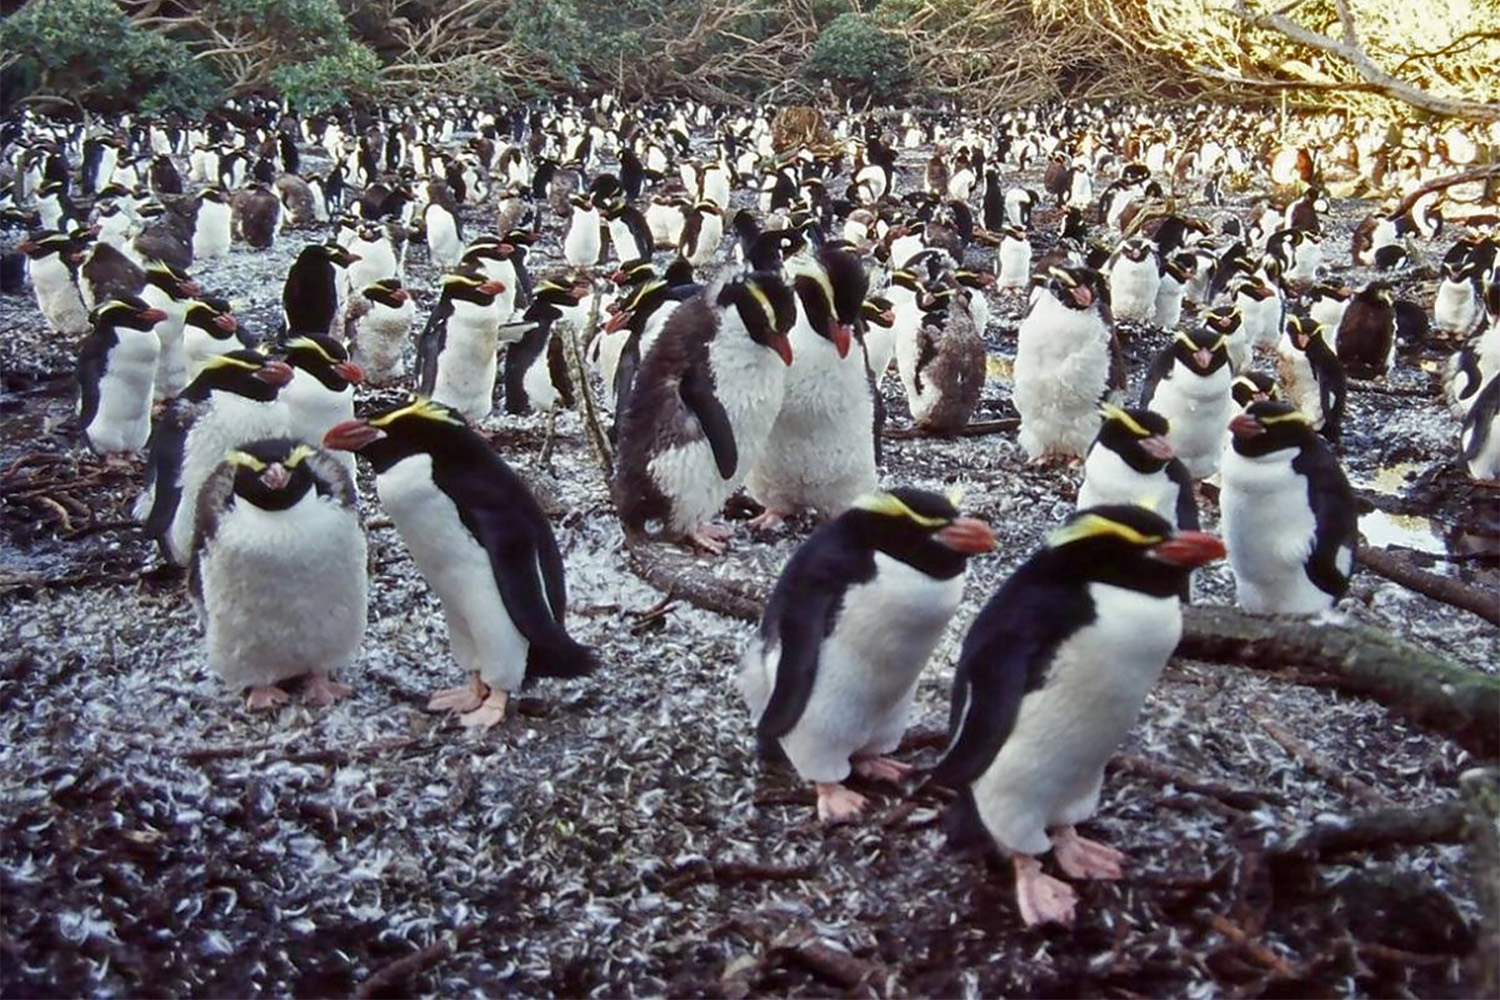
x=272, y=473
x=1138, y=436
x=1202, y=352
x=1253, y=387
x=878, y=311
x=212, y=316
x=1077, y=288
x=417, y=426
x=1273, y=425
x=765, y=306
x=469, y=287
x=128, y=311
x=388, y=292
x=1222, y=319
x=1302, y=330
x=244, y=373
x=1380, y=294
x=324, y=358
x=332, y=252
x=920, y=528
x=1129, y=547
x=172, y=281
x=45, y=243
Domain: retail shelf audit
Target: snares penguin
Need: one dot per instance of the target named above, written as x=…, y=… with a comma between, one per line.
x=456, y=353
x=1189, y=384
x=831, y=673
x=1051, y=677
x=1311, y=375
x=482, y=543
x=1132, y=462
x=278, y=571
x=378, y=329
x=116, y=371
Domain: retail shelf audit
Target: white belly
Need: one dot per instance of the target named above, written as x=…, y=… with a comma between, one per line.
x=1198, y=410
x=123, y=422
x=1108, y=479
x=232, y=422
x=1269, y=531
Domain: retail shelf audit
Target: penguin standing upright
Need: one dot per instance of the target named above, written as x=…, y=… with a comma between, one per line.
x=1176, y=275
x=1289, y=515
x=942, y=364
x=50, y=255
x=378, y=329
x=536, y=368
x=1189, y=384
x=1457, y=306
x=856, y=613
x=1013, y=260
x=1479, y=438
x=232, y=400
x=1132, y=462
x=278, y=571
x=445, y=240
x=482, y=543
x=702, y=232
x=581, y=244
x=171, y=291
x=1366, y=338
x=629, y=236
x=212, y=225
x=702, y=406
x=1051, y=677
x=456, y=353
x=1312, y=376
x=1067, y=362
x=257, y=215
x=1134, y=278
x=310, y=296
x=209, y=329
x=321, y=392
x=116, y=370
x=820, y=454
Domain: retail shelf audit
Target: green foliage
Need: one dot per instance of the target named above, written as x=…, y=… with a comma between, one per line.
x=90, y=51
x=328, y=80
x=858, y=58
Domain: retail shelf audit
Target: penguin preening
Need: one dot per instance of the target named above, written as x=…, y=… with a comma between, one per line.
x=1052, y=675
x=855, y=614
x=481, y=542
x=278, y=571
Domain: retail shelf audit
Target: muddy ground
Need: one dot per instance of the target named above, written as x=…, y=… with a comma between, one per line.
x=617, y=837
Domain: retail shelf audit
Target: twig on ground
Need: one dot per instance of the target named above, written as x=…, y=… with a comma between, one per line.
x=1317, y=765
x=1446, y=589
x=1237, y=796
x=392, y=977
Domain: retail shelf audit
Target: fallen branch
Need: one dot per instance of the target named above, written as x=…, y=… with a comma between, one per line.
x=389, y=979
x=1237, y=796
x=1446, y=589
x=801, y=943
x=1444, y=182
x=675, y=571
x=1426, y=688
x=1280, y=967
x=1336, y=776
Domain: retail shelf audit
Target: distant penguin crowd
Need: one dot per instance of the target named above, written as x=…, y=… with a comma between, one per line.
x=730, y=311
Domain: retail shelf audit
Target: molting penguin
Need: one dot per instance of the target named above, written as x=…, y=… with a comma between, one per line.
x=1067, y=361
x=231, y=401
x=1288, y=512
x=1188, y=383
x=456, y=353
x=855, y=615
x=378, y=329
x=1313, y=378
x=820, y=453
x=257, y=215
x=943, y=365
x=482, y=543
x=1052, y=675
x=1134, y=278
x=51, y=263
x=278, y=571
x=702, y=407
x=1132, y=462
x=116, y=370
x=1366, y=338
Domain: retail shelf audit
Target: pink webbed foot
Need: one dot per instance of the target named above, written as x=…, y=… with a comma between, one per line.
x=837, y=804
x=711, y=538
x=460, y=699
x=1081, y=858
x=265, y=698
x=1042, y=898
x=489, y=714
x=882, y=769
x=768, y=520
x=320, y=689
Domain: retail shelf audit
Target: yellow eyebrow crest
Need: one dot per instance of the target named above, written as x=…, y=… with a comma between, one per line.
x=893, y=506
x=1109, y=411
x=1098, y=526
x=420, y=406
x=244, y=459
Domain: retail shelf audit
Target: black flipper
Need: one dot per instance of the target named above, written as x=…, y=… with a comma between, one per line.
x=92, y=360
x=1187, y=501
x=1161, y=367
x=1335, y=516
x=697, y=393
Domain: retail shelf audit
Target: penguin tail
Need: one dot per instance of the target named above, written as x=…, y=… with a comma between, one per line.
x=565, y=659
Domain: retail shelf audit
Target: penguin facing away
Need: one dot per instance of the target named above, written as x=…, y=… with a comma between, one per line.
x=1288, y=513
x=482, y=543
x=278, y=571
x=855, y=614
x=1051, y=677
x=116, y=372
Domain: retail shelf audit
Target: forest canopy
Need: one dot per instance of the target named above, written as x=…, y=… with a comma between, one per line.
x=1380, y=57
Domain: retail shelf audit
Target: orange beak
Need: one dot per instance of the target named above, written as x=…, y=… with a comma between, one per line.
x=968, y=535
x=1189, y=548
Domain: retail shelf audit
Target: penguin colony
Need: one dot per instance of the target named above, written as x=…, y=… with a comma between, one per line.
x=752, y=302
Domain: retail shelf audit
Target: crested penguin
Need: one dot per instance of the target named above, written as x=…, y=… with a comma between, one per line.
x=116, y=370
x=212, y=225
x=536, y=368
x=581, y=243
x=1189, y=384
x=1365, y=341
x=820, y=452
x=1133, y=462
x=445, y=240
x=378, y=328
x=257, y=215
x=1051, y=677
x=482, y=543
x=1253, y=387
x=1288, y=513
x=629, y=236
x=1134, y=278
x=1068, y=361
x=1457, y=308
x=702, y=232
x=231, y=401
x=1176, y=275
x=831, y=673
x=104, y=273
x=942, y=364
x=321, y=392
x=456, y=353
x=310, y=296
x=702, y=406
x=278, y=571
x=1479, y=438
x=1311, y=374
x=209, y=329
x=50, y=256
x=171, y=291
x=1013, y=260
